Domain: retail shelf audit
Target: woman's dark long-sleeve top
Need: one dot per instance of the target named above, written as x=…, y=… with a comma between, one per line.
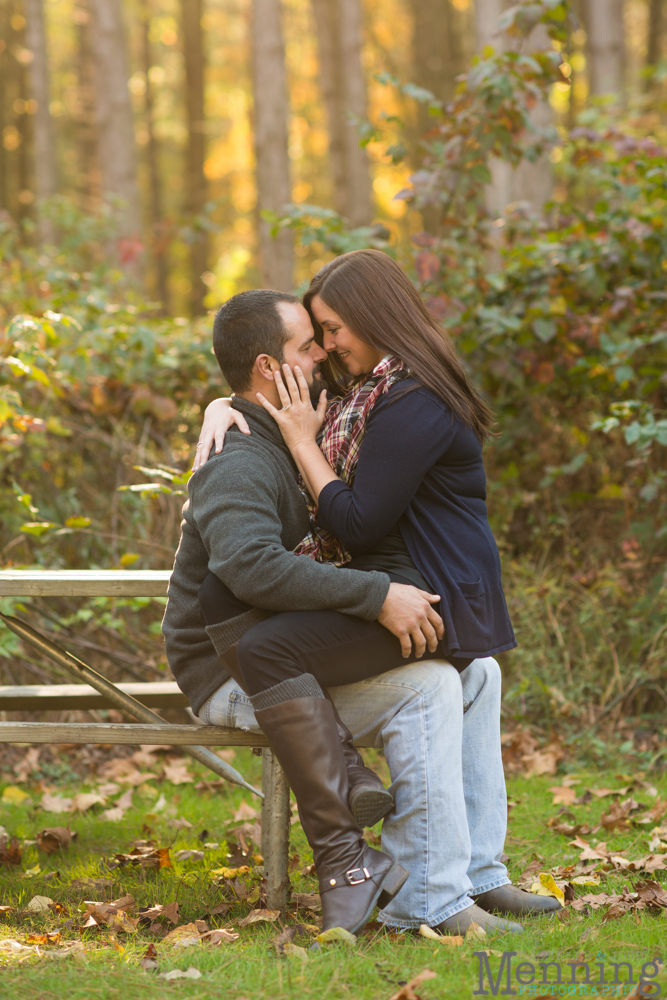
x=421, y=468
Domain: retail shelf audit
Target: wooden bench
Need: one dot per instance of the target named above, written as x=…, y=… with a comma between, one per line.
x=139, y=583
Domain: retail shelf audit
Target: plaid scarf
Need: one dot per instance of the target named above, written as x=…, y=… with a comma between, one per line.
x=342, y=433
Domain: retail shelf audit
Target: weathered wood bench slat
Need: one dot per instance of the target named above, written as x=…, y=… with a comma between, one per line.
x=54, y=697
x=84, y=583
x=133, y=733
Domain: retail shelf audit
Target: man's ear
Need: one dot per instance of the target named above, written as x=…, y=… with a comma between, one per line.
x=266, y=366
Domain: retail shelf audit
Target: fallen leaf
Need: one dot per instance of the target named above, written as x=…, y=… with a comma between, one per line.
x=546, y=886
x=654, y=814
x=10, y=851
x=55, y=803
x=39, y=904
x=563, y=795
x=588, y=853
x=218, y=935
x=54, y=838
x=158, y=911
x=308, y=900
x=295, y=951
x=84, y=800
x=25, y=768
x=190, y=973
x=6, y=909
x=189, y=856
x=52, y=937
x=336, y=934
x=184, y=935
x=181, y=824
x=601, y=793
x=230, y=872
x=259, y=916
x=176, y=771
x=585, y=880
x=86, y=884
x=245, y=812
x=14, y=796
x=143, y=857
x=409, y=991
x=454, y=940
x=475, y=932
x=149, y=959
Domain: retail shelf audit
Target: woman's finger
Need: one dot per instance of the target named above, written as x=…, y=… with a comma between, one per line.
x=303, y=385
x=322, y=405
x=240, y=421
x=285, y=398
x=292, y=387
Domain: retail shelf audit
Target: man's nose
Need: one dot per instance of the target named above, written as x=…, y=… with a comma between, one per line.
x=321, y=355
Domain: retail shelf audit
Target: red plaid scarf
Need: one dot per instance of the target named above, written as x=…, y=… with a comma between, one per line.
x=342, y=433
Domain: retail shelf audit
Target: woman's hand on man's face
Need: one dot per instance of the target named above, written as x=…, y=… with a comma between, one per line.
x=218, y=418
x=299, y=422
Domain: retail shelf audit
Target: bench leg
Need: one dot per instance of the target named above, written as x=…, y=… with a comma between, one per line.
x=275, y=830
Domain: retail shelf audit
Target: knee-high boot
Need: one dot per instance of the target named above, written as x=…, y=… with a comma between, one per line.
x=353, y=877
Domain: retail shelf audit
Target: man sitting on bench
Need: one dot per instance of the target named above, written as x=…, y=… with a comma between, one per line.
x=235, y=566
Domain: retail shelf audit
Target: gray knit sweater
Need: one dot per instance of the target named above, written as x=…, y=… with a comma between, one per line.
x=243, y=518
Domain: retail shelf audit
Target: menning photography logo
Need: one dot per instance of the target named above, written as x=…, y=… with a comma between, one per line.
x=576, y=978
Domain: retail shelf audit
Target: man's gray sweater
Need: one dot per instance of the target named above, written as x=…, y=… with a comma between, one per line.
x=244, y=516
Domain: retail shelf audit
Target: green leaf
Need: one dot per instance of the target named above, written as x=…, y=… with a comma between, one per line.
x=78, y=522
x=545, y=329
x=38, y=528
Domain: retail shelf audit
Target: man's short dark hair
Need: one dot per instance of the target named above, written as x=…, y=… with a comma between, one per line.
x=247, y=325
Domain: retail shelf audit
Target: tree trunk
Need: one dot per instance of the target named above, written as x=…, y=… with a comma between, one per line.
x=654, y=42
x=195, y=179
x=487, y=13
x=606, y=46
x=339, y=35
x=359, y=206
x=89, y=180
x=115, y=127
x=158, y=233
x=4, y=74
x=46, y=178
x=271, y=140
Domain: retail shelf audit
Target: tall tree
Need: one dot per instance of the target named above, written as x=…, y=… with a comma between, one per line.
x=4, y=74
x=339, y=34
x=487, y=13
x=271, y=140
x=46, y=178
x=655, y=37
x=157, y=228
x=606, y=46
x=115, y=127
x=195, y=179
x=89, y=182
x=440, y=49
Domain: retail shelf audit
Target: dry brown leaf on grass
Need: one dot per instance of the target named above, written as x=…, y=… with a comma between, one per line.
x=246, y=835
x=159, y=911
x=453, y=940
x=653, y=815
x=409, y=991
x=84, y=800
x=183, y=936
x=144, y=854
x=176, y=771
x=588, y=853
x=308, y=901
x=190, y=973
x=39, y=904
x=55, y=838
x=245, y=812
x=55, y=803
x=189, y=856
x=618, y=816
x=563, y=795
x=601, y=793
x=181, y=824
x=285, y=940
x=219, y=936
x=52, y=937
x=119, y=808
x=5, y=909
x=149, y=959
x=259, y=916
x=10, y=850
x=25, y=767
x=94, y=884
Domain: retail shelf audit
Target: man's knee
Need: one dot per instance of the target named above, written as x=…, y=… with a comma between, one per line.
x=482, y=675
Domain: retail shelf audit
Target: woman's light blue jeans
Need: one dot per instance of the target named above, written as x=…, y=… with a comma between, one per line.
x=440, y=732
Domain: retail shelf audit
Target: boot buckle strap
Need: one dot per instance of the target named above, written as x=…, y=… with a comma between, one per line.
x=357, y=881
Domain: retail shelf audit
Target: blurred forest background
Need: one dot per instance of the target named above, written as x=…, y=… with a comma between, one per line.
x=155, y=158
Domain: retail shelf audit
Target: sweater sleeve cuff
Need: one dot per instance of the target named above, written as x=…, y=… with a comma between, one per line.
x=326, y=499
x=377, y=596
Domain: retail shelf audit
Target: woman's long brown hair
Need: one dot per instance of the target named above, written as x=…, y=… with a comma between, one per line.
x=381, y=306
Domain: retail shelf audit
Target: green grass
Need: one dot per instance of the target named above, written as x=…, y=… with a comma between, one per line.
x=250, y=967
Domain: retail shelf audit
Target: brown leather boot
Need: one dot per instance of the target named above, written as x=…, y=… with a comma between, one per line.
x=353, y=877
x=369, y=800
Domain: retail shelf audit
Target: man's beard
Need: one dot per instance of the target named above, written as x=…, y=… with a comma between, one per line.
x=316, y=387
